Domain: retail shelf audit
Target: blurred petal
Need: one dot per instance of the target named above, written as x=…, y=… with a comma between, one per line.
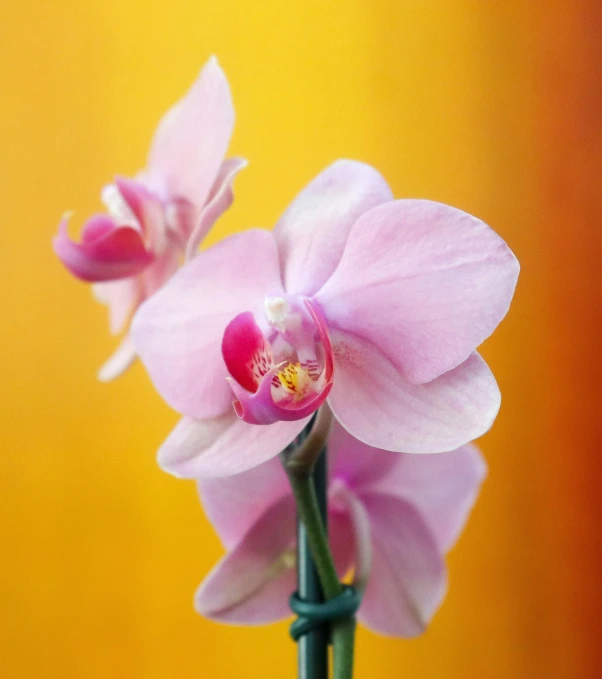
x=376, y=405
x=223, y=445
x=122, y=298
x=234, y=503
x=147, y=210
x=312, y=233
x=443, y=488
x=357, y=464
x=192, y=138
x=341, y=539
x=252, y=584
x=407, y=579
x=178, y=331
x=160, y=271
x=119, y=362
x=423, y=282
x=220, y=199
x=355, y=536
x=107, y=251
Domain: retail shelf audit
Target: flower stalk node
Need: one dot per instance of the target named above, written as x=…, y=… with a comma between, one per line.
x=299, y=459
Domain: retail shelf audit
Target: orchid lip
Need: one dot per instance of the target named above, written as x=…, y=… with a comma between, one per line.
x=267, y=391
x=106, y=251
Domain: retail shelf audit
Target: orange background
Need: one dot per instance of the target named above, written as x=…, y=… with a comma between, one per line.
x=492, y=107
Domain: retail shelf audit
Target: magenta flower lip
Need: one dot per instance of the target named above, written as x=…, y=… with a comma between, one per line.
x=107, y=251
x=292, y=389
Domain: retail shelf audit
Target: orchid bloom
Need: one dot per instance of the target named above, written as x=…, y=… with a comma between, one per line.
x=161, y=216
x=391, y=519
x=376, y=304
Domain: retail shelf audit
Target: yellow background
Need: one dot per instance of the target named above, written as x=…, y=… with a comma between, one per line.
x=492, y=107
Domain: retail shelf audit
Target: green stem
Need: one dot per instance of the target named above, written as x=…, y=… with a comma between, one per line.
x=299, y=471
x=309, y=513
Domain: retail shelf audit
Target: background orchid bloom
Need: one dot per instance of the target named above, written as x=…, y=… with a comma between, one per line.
x=391, y=519
x=374, y=303
x=163, y=214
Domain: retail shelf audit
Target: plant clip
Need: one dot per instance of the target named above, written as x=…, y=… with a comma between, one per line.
x=313, y=615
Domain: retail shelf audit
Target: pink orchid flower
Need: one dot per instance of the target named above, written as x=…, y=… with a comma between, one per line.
x=373, y=303
x=162, y=215
x=391, y=519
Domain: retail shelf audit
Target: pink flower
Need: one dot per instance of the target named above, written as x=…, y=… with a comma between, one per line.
x=163, y=214
x=391, y=519
x=374, y=303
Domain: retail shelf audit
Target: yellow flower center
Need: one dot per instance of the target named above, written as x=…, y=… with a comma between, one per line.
x=295, y=379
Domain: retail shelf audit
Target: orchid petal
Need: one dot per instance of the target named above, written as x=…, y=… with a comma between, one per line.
x=178, y=331
x=312, y=233
x=117, y=206
x=407, y=579
x=443, y=488
x=122, y=298
x=160, y=271
x=119, y=362
x=379, y=407
x=357, y=538
x=107, y=251
x=192, y=138
x=341, y=541
x=359, y=465
x=223, y=445
x=234, y=503
x=220, y=199
x=147, y=210
x=423, y=282
x=251, y=585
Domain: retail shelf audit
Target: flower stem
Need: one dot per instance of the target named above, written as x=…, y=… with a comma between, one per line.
x=312, y=647
x=298, y=465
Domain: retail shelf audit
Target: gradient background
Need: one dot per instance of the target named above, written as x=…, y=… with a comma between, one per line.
x=493, y=107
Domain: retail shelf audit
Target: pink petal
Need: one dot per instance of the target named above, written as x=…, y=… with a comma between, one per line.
x=379, y=407
x=355, y=537
x=192, y=138
x=313, y=231
x=220, y=199
x=160, y=271
x=119, y=362
x=178, y=331
x=235, y=503
x=424, y=282
x=251, y=585
x=358, y=465
x=107, y=251
x=223, y=445
x=407, y=579
x=341, y=540
x=147, y=210
x=122, y=297
x=442, y=487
